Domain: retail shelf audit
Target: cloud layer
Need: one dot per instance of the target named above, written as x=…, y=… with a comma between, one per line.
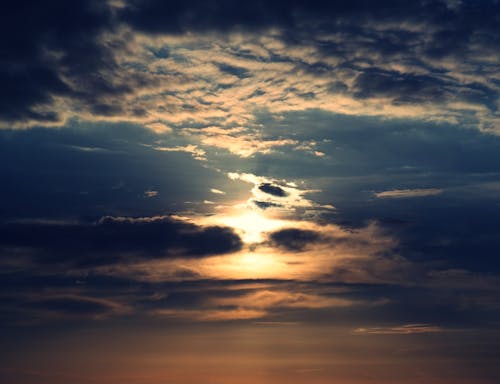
x=191, y=64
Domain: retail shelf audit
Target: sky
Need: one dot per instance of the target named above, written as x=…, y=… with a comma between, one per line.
x=256, y=192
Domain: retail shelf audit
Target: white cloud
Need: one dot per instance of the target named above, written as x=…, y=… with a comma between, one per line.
x=217, y=191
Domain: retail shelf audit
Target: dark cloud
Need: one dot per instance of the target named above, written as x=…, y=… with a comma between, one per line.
x=274, y=190
x=156, y=16
x=52, y=49
x=80, y=306
x=404, y=87
x=294, y=239
x=233, y=70
x=265, y=204
x=454, y=30
x=117, y=240
x=408, y=88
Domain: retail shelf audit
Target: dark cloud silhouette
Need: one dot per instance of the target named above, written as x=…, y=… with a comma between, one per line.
x=274, y=190
x=265, y=204
x=294, y=239
x=407, y=88
x=455, y=28
x=53, y=50
x=233, y=70
x=117, y=240
x=156, y=16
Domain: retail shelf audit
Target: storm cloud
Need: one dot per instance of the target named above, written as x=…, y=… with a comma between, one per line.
x=52, y=56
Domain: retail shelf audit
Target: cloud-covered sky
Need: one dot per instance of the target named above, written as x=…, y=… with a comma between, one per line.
x=265, y=192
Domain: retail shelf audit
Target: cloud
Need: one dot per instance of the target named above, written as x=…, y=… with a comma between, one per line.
x=155, y=16
x=258, y=304
x=294, y=239
x=264, y=87
x=48, y=305
x=190, y=65
x=265, y=299
x=406, y=193
x=197, y=153
x=359, y=63
x=59, y=58
x=281, y=195
x=74, y=307
x=241, y=142
x=274, y=190
x=117, y=240
x=217, y=191
x=151, y=193
x=209, y=314
x=266, y=204
x=407, y=329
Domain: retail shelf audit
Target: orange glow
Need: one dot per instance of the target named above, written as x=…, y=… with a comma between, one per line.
x=250, y=224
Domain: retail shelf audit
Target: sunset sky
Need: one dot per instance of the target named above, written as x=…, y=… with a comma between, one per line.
x=262, y=192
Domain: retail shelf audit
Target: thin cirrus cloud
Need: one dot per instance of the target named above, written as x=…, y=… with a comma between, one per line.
x=262, y=301
x=197, y=153
x=217, y=191
x=64, y=306
x=407, y=329
x=256, y=305
x=407, y=193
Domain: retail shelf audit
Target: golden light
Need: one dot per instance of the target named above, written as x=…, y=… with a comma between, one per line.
x=258, y=259
x=250, y=224
x=246, y=265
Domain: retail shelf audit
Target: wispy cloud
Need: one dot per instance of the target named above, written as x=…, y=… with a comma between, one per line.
x=209, y=314
x=404, y=193
x=258, y=304
x=197, y=153
x=217, y=191
x=407, y=329
x=151, y=193
x=282, y=299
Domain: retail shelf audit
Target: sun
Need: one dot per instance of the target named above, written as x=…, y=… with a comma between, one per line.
x=251, y=225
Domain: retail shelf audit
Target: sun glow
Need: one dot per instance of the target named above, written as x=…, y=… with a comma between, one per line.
x=251, y=225
x=250, y=265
